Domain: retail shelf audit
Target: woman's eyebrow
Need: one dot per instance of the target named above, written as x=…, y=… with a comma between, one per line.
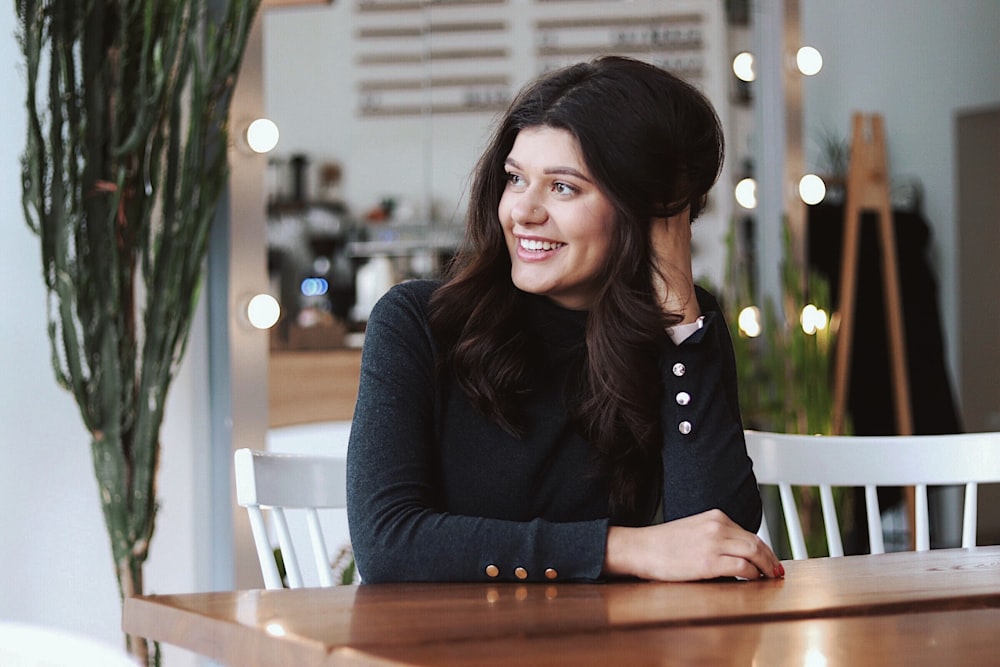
x=566, y=171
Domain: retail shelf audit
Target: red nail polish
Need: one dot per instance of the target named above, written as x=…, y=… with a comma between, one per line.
x=779, y=570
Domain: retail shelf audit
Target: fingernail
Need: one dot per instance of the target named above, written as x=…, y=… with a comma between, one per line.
x=779, y=570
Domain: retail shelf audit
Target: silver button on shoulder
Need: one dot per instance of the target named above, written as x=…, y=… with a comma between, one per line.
x=683, y=398
x=684, y=427
x=679, y=369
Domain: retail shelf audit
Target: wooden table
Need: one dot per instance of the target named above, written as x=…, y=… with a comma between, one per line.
x=937, y=607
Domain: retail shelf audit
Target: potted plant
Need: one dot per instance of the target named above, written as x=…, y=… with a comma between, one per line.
x=125, y=161
x=784, y=368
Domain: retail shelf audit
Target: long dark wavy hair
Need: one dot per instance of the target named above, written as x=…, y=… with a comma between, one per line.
x=653, y=145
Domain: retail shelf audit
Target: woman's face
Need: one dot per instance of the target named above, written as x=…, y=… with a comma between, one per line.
x=556, y=221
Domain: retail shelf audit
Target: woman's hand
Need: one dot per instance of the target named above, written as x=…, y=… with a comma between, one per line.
x=703, y=546
x=673, y=278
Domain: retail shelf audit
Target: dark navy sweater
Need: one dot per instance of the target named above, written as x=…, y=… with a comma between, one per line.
x=437, y=492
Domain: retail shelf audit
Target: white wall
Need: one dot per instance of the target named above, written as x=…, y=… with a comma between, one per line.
x=55, y=562
x=917, y=62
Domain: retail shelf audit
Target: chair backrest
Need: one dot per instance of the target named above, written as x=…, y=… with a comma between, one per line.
x=787, y=460
x=265, y=480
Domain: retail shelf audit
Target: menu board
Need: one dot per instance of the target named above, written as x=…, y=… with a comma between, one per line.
x=432, y=57
x=468, y=56
x=671, y=41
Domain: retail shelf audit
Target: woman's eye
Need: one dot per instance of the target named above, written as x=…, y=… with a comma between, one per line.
x=514, y=179
x=564, y=188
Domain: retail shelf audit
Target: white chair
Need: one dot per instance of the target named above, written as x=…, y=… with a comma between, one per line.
x=289, y=481
x=787, y=460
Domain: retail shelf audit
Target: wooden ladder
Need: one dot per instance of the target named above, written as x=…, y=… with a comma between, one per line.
x=868, y=190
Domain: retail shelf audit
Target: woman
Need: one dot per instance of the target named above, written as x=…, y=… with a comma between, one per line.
x=563, y=405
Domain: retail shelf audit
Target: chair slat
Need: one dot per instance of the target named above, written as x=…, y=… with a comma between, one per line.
x=970, y=515
x=320, y=554
x=288, y=556
x=265, y=554
x=795, y=537
x=876, y=543
x=921, y=519
x=830, y=523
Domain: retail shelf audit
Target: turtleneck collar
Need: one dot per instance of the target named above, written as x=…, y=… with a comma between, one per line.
x=554, y=324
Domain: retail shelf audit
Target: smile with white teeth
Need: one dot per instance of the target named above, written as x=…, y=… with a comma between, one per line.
x=531, y=244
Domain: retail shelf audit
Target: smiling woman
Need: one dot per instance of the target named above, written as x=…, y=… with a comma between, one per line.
x=556, y=221
x=563, y=404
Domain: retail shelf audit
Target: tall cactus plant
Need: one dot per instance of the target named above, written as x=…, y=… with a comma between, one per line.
x=125, y=161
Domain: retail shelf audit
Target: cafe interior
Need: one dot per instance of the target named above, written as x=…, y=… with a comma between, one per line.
x=349, y=163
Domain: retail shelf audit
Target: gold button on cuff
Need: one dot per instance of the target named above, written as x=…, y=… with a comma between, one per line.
x=521, y=573
x=492, y=571
x=550, y=573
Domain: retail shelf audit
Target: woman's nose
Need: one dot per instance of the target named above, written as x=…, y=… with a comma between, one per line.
x=529, y=211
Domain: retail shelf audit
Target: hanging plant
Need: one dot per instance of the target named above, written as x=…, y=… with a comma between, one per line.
x=124, y=164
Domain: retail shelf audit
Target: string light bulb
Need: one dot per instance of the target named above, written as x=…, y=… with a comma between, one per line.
x=743, y=66
x=749, y=321
x=746, y=193
x=263, y=311
x=813, y=319
x=812, y=189
x=809, y=60
x=262, y=135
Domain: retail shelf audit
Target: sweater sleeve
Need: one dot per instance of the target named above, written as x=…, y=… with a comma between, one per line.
x=705, y=462
x=397, y=532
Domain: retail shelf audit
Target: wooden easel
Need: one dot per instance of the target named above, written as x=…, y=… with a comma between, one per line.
x=868, y=190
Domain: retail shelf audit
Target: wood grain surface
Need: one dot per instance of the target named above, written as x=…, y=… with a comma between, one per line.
x=845, y=608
